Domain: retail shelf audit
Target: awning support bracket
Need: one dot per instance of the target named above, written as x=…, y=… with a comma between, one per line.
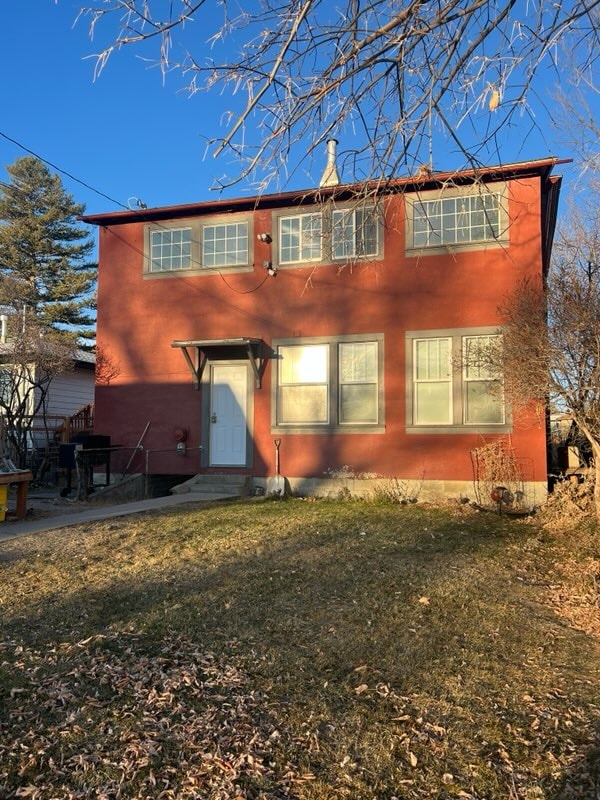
x=259, y=365
x=196, y=368
x=253, y=348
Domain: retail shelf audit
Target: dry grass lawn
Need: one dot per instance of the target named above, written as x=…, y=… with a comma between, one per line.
x=307, y=650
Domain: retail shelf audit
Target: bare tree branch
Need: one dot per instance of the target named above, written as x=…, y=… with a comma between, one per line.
x=378, y=77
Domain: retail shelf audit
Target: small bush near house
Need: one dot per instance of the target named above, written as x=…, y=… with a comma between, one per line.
x=315, y=651
x=570, y=503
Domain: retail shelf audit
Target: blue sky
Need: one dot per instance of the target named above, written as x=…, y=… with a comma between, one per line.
x=129, y=134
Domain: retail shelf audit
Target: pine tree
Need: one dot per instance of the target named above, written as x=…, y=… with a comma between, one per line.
x=44, y=252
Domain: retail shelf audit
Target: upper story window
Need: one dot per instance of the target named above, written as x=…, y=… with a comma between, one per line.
x=457, y=218
x=170, y=249
x=300, y=238
x=225, y=245
x=354, y=233
x=452, y=384
x=198, y=245
x=328, y=236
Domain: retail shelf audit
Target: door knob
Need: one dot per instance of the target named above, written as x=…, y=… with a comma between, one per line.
x=213, y=418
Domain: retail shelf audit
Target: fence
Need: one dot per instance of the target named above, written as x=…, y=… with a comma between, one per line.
x=89, y=468
x=43, y=435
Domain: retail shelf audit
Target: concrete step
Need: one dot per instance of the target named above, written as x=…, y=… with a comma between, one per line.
x=213, y=484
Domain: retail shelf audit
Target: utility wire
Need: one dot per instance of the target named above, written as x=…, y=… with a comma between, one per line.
x=122, y=205
x=64, y=172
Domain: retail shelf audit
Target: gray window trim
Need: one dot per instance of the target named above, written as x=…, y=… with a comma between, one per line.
x=457, y=426
x=196, y=224
x=333, y=426
x=499, y=187
x=326, y=210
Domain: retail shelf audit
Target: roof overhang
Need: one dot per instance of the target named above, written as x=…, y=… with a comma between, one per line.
x=384, y=186
x=197, y=352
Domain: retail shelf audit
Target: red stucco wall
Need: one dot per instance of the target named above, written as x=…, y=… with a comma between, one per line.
x=139, y=318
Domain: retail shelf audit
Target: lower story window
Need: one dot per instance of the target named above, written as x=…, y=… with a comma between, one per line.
x=432, y=380
x=453, y=381
x=358, y=395
x=303, y=384
x=333, y=384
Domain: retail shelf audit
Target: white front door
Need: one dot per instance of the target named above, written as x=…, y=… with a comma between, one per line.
x=228, y=407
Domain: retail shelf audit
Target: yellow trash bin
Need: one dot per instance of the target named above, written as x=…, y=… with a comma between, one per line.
x=3, y=501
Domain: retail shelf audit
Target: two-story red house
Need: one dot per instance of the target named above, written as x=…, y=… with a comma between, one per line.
x=335, y=320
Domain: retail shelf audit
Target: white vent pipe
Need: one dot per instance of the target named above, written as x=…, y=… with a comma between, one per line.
x=330, y=175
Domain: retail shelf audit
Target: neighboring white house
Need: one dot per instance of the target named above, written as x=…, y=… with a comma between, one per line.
x=67, y=409
x=71, y=391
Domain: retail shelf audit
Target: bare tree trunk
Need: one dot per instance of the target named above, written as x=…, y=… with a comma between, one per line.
x=596, y=452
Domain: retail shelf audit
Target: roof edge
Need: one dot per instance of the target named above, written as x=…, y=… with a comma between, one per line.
x=425, y=180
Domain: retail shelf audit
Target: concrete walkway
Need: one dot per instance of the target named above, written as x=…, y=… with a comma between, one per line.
x=76, y=515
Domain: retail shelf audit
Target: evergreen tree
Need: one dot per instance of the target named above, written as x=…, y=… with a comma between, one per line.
x=44, y=252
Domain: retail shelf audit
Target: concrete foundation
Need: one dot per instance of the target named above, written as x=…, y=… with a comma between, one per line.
x=535, y=493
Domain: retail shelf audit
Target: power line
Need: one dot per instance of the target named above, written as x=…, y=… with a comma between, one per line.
x=118, y=203
x=64, y=172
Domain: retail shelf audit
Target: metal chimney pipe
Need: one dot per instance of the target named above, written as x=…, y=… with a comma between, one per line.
x=3, y=327
x=330, y=174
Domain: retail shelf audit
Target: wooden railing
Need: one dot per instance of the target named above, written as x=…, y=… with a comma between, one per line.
x=60, y=429
x=80, y=422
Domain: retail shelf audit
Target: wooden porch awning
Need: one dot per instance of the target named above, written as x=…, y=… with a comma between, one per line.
x=197, y=352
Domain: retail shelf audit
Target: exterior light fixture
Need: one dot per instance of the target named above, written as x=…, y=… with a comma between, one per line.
x=270, y=268
x=264, y=237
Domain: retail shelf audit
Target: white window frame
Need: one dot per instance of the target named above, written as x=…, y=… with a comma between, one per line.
x=306, y=229
x=232, y=250
x=197, y=226
x=481, y=374
x=440, y=376
x=346, y=220
x=330, y=215
x=335, y=384
x=474, y=218
x=159, y=264
x=320, y=383
x=358, y=379
x=457, y=421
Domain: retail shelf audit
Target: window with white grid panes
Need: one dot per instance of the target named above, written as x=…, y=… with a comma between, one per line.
x=170, y=249
x=335, y=384
x=459, y=220
x=432, y=381
x=358, y=383
x=303, y=391
x=328, y=236
x=225, y=245
x=300, y=238
x=453, y=383
x=354, y=233
x=483, y=401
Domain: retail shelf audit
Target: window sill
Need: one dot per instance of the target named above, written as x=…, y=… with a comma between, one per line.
x=447, y=249
x=461, y=429
x=338, y=262
x=328, y=429
x=195, y=273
